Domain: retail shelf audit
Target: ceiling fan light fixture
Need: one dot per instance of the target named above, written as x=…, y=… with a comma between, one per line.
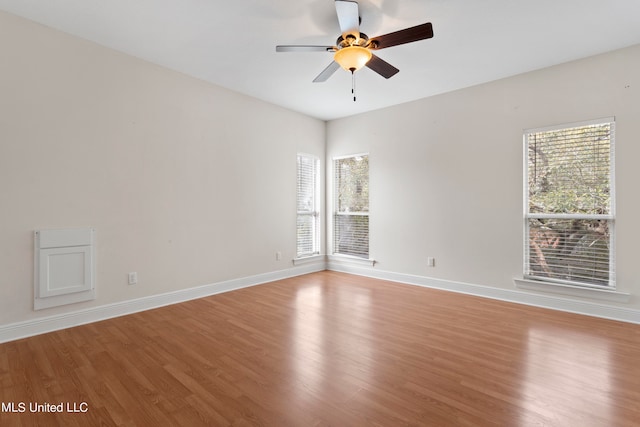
x=352, y=58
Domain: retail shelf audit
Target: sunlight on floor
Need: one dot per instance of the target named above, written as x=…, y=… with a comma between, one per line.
x=341, y=362
x=567, y=376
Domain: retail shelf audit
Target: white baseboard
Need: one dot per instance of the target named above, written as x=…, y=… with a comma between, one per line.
x=43, y=325
x=553, y=302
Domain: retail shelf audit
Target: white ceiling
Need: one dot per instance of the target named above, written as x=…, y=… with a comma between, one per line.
x=232, y=43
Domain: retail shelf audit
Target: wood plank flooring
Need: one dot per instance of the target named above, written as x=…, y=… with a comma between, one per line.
x=329, y=349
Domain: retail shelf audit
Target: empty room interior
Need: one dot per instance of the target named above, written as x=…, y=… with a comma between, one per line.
x=319, y=213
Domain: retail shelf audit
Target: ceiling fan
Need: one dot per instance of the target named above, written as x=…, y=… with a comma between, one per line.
x=353, y=49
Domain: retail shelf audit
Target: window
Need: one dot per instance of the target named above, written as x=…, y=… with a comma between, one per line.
x=569, y=204
x=351, y=206
x=308, y=222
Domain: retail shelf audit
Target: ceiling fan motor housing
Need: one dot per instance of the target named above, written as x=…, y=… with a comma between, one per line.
x=352, y=40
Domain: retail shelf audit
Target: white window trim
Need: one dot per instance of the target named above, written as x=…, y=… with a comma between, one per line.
x=554, y=285
x=348, y=156
x=317, y=214
x=311, y=259
x=606, y=294
x=333, y=255
x=350, y=259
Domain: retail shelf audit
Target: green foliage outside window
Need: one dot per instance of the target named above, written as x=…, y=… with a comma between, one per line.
x=569, y=173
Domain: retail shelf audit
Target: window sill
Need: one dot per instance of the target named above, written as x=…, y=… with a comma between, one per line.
x=309, y=259
x=556, y=288
x=347, y=259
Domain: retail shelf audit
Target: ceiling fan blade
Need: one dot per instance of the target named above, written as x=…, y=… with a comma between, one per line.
x=408, y=35
x=304, y=48
x=327, y=72
x=348, y=17
x=382, y=67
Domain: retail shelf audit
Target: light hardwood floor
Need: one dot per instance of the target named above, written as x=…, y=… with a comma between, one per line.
x=330, y=349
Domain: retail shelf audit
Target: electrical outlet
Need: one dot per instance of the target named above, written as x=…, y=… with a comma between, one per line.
x=278, y=256
x=431, y=261
x=133, y=278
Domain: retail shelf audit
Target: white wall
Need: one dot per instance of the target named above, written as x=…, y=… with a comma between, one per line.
x=186, y=183
x=446, y=172
x=190, y=184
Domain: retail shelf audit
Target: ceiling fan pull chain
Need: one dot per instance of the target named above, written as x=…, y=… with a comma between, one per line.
x=353, y=85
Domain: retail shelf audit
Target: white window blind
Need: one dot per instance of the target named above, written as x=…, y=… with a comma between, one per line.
x=569, y=204
x=351, y=204
x=308, y=218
